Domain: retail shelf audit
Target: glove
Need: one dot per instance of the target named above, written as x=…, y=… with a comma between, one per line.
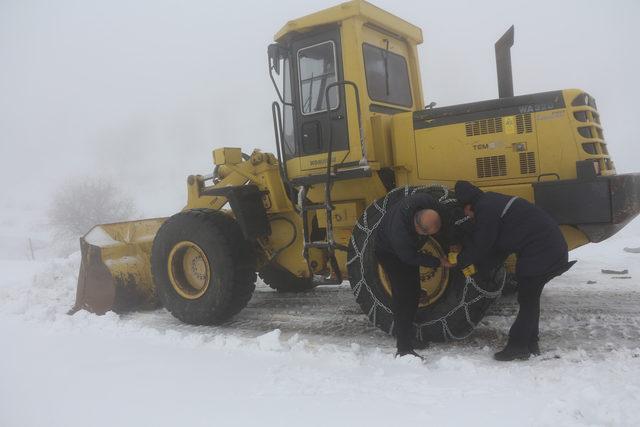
x=452, y=257
x=469, y=270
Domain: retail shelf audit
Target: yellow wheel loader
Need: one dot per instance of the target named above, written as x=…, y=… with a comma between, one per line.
x=353, y=137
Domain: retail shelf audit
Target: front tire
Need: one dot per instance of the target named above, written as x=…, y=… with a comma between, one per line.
x=453, y=312
x=203, y=268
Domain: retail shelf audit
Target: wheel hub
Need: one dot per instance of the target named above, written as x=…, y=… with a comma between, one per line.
x=189, y=270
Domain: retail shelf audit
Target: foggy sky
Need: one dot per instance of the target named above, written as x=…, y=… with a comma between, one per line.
x=144, y=90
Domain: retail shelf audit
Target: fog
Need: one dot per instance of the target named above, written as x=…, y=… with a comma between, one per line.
x=143, y=90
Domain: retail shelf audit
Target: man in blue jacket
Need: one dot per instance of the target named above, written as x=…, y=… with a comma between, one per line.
x=400, y=236
x=503, y=225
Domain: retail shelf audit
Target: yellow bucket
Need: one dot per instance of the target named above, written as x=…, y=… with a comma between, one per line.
x=115, y=273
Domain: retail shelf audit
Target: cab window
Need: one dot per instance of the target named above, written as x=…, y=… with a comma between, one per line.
x=317, y=69
x=387, y=76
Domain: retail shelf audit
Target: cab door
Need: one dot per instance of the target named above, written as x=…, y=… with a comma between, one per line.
x=317, y=64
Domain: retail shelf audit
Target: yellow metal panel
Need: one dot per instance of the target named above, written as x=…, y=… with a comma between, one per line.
x=404, y=148
x=227, y=156
x=416, y=81
x=261, y=169
x=381, y=133
x=344, y=215
x=557, y=150
x=449, y=153
x=353, y=70
x=574, y=237
x=363, y=189
x=317, y=163
x=344, y=11
x=284, y=244
x=195, y=185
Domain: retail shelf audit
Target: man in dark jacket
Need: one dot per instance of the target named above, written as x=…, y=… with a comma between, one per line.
x=503, y=225
x=400, y=236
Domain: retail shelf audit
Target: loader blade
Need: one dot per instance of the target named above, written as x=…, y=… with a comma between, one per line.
x=115, y=271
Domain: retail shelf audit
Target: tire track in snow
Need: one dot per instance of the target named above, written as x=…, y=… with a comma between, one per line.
x=572, y=318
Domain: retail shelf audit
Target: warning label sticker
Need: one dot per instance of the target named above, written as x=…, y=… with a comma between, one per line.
x=509, y=125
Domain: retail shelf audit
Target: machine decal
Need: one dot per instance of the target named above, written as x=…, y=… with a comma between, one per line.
x=509, y=125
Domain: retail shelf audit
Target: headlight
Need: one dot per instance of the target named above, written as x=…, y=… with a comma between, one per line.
x=584, y=99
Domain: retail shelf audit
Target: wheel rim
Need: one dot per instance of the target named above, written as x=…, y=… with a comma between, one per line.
x=189, y=271
x=433, y=281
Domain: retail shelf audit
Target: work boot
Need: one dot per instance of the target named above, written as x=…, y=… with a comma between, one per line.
x=420, y=345
x=402, y=353
x=512, y=352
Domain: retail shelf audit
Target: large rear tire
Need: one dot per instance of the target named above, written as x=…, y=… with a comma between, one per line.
x=203, y=268
x=456, y=309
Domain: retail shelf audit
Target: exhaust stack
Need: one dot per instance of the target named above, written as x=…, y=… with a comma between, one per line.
x=503, y=64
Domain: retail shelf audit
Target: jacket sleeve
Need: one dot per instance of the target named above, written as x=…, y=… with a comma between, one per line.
x=456, y=233
x=410, y=256
x=483, y=238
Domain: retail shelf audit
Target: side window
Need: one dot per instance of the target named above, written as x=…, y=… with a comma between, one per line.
x=317, y=69
x=287, y=119
x=387, y=76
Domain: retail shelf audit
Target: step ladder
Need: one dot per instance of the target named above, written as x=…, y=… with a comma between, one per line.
x=328, y=245
x=339, y=172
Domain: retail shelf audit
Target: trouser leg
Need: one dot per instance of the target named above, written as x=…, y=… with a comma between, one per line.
x=405, y=288
x=525, y=328
x=535, y=330
x=405, y=304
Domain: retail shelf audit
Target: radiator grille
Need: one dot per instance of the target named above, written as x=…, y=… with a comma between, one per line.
x=491, y=166
x=527, y=163
x=523, y=123
x=483, y=127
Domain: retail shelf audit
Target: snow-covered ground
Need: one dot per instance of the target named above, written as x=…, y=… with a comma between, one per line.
x=309, y=359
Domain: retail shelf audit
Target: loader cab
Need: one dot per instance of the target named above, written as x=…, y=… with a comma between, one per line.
x=313, y=114
x=341, y=75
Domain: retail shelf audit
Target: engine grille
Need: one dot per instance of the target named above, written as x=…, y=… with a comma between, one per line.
x=491, y=166
x=523, y=123
x=527, y=163
x=483, y=127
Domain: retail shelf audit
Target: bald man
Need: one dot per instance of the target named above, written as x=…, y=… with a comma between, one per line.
x=400, y=236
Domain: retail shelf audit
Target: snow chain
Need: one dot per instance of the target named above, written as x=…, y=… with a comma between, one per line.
x=470, y=282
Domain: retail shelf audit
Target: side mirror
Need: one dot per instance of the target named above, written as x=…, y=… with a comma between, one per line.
x=430, y=106
x=275, y=52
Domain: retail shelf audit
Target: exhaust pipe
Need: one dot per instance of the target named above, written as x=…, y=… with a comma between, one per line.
x=503, y=64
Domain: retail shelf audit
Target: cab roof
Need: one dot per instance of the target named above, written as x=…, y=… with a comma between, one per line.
x=370, y=13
